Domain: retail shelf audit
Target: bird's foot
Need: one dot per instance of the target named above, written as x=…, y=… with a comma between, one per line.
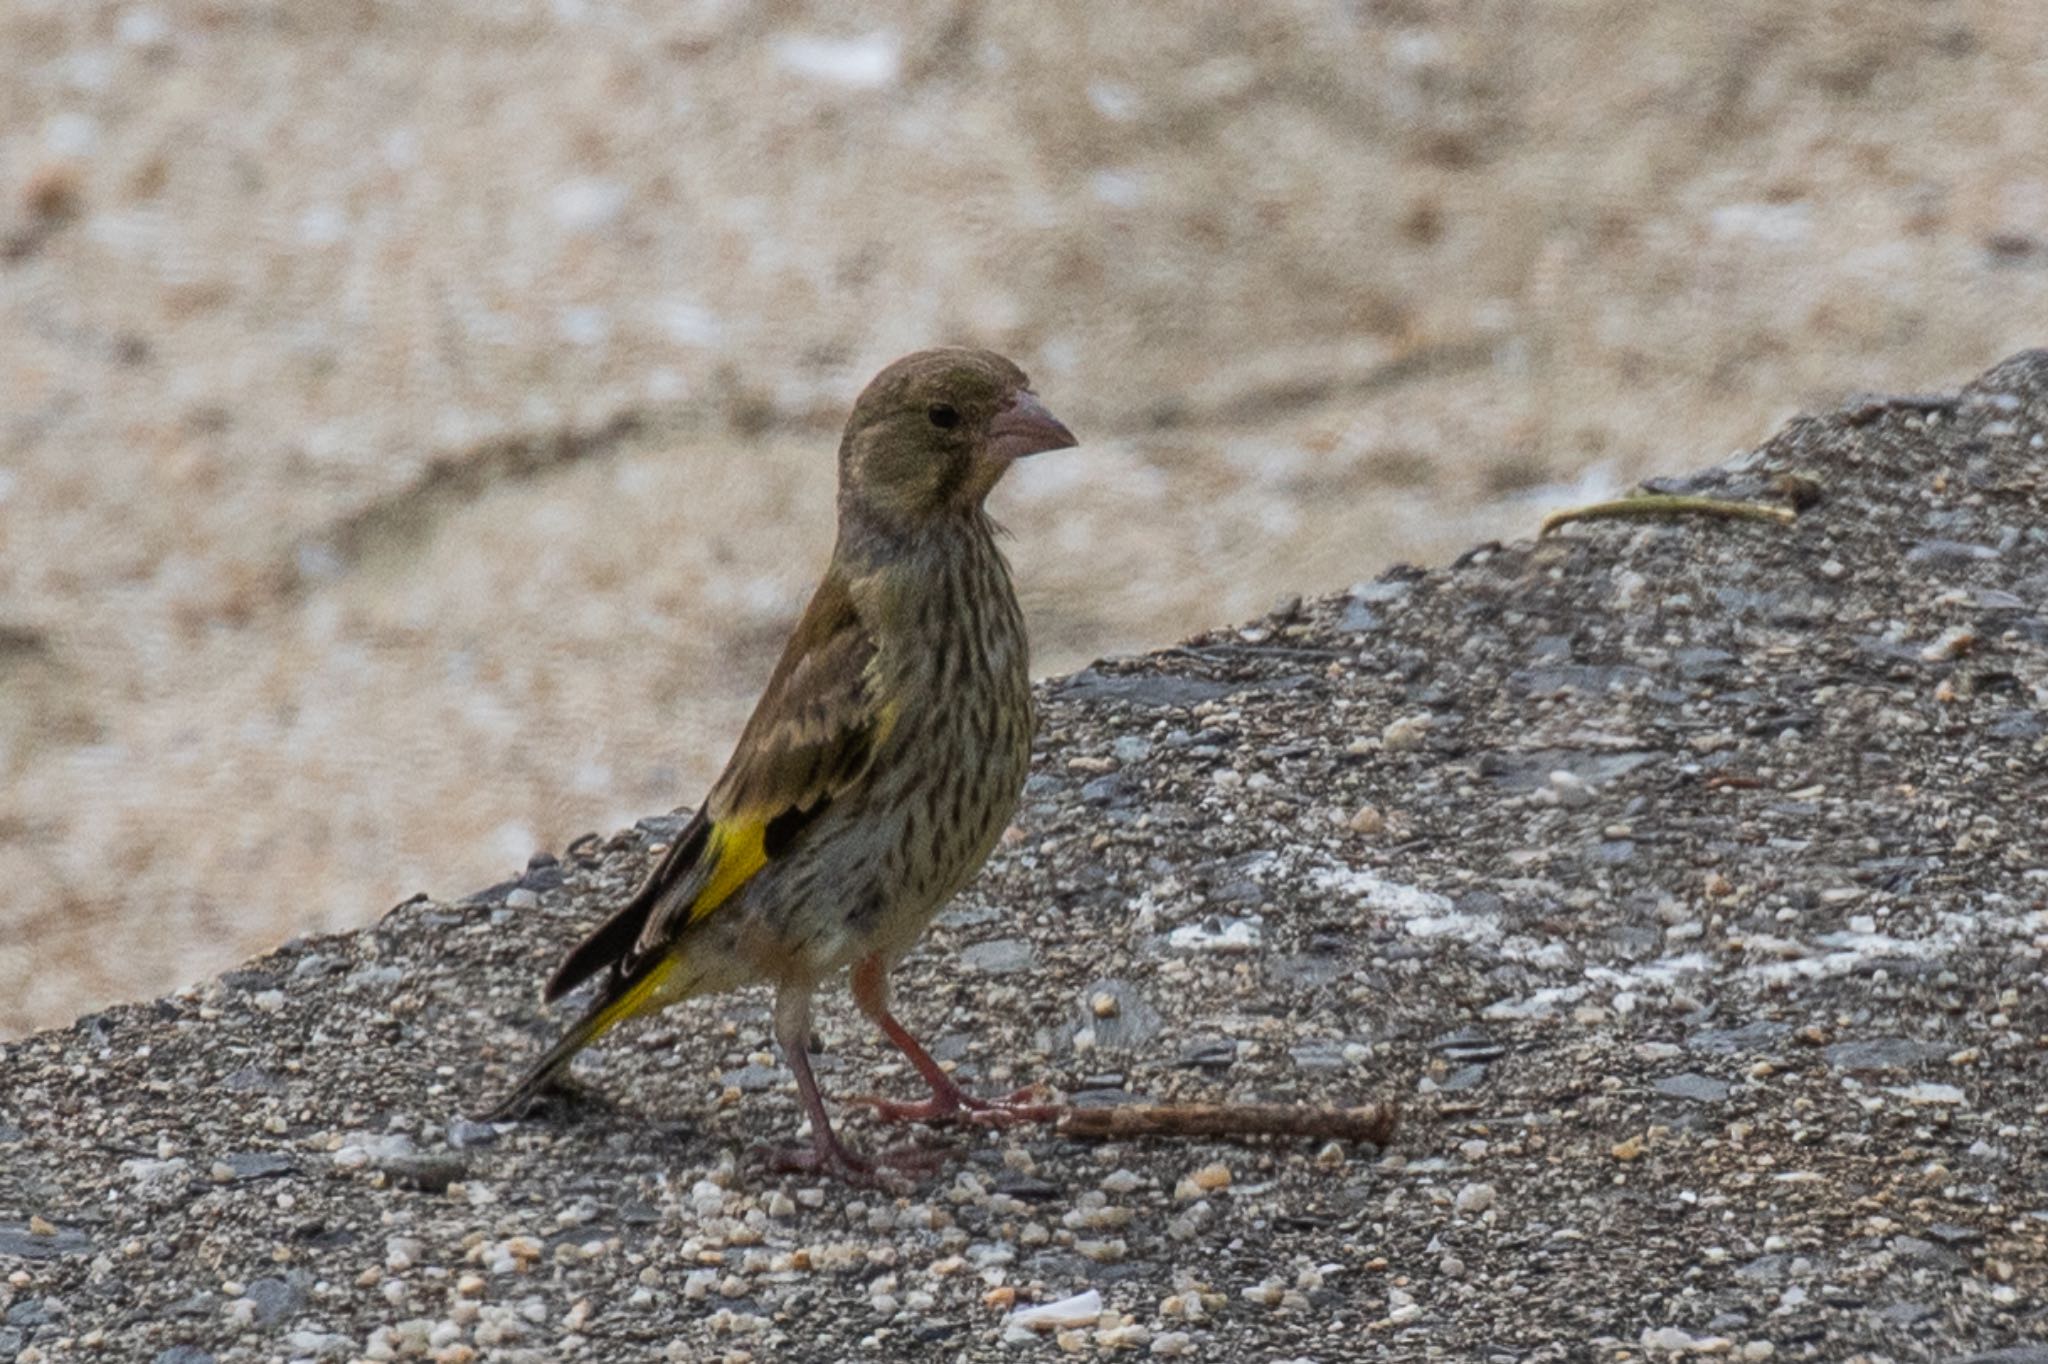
x=957, y=1105
x=891, y=1170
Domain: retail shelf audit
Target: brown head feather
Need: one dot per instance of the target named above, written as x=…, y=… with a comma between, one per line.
x=932, y=433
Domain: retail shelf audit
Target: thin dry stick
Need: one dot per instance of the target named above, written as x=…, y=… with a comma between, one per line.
x=1651, y=505
x=1373, y=1122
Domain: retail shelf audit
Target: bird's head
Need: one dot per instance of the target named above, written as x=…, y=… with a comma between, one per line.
x=932, y=434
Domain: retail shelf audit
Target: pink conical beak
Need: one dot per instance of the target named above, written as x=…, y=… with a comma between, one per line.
x=1022, y=426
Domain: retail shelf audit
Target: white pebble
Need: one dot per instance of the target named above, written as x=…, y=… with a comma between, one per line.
x=1080, y=1310
x=1474, y=1199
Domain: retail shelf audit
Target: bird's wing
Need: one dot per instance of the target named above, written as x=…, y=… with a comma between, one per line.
x=612, y=942
x=812, y=735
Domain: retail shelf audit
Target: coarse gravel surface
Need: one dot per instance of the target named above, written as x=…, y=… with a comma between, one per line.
x=1685, y=881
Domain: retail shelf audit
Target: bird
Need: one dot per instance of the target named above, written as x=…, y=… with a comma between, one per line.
x=881, y=764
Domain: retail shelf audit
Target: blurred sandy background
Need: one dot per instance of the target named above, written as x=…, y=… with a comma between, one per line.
x=416, y=421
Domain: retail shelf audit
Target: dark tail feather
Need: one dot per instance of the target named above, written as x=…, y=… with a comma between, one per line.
x=615, y=937
x=548, y=1067
x=620, y=1002
x=611, y=941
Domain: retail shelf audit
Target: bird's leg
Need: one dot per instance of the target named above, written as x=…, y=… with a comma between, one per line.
x=949, y=1102
x=827, y=1154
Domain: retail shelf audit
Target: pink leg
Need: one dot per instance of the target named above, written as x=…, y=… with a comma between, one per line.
x=949, y=1102
x=827, y=1154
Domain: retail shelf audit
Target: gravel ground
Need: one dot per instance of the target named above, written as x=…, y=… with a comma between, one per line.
x=397, y=399
x=1685, y=881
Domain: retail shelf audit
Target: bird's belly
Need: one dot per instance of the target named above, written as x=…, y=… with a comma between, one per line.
x=869, y=881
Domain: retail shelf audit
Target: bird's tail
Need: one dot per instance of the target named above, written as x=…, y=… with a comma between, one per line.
x=637, y=996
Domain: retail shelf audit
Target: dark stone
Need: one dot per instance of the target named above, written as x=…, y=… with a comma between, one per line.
x=1916, y=1251
x=18, y=1242
x=1469, y=1044
x=543, y=873
x=1103, y=1098
x=1949, y=1234
x=968, y=914
x=1883, y=1053
x=1636, y=942
x=1462, y=1079
x=2018, y=724
x=1904, y=1313
x=753, y=1079
x=1746, y=1040
x=1703, y=1089
x=1209, y=1053
x=276, y=1299
x=251, y=1080
x=1026, y=1188
x=1105, y=790
x=952, y=1046
x=1134, y=1023
x=1701, y=664
x=1305, y=971
x=248, y=1165
x=1317, y=1053
x=1092, y=687
x=1765, y=1269
x=1584, y=678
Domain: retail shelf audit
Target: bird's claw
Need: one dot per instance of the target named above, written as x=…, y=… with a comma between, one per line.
x=961, y=1107
x=888, y=1171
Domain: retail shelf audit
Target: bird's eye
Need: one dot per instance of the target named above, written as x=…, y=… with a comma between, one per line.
x=943, y=415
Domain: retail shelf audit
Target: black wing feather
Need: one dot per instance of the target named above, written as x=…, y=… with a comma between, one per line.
x=613, y=940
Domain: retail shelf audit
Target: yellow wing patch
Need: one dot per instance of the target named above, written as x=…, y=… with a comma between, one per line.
x=736, y=852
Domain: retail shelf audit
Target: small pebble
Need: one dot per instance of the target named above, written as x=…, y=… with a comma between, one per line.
x=1474, y=1199
x=1406, y=734
x=1368, y=821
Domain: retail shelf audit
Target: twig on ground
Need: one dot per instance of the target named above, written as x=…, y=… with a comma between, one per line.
x=1652, y=505
x=1375, y=1123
